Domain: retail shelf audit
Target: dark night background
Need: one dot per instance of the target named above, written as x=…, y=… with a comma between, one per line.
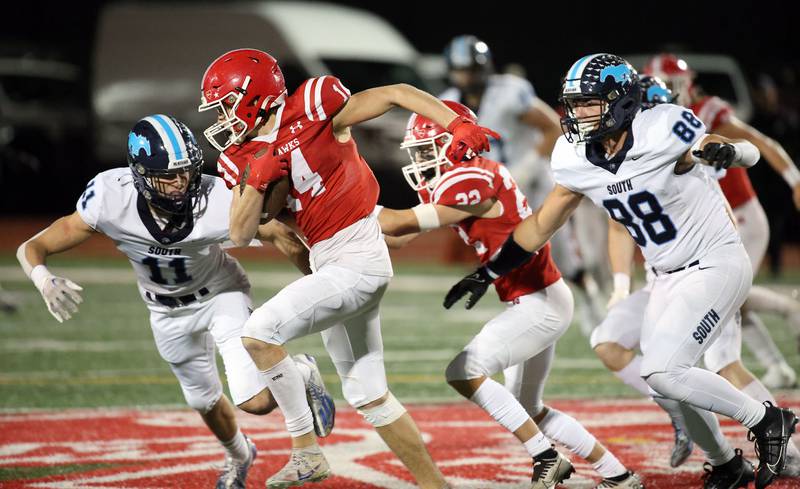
x=544, y=37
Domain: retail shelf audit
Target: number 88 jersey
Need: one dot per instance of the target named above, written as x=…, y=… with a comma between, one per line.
x=674, y=218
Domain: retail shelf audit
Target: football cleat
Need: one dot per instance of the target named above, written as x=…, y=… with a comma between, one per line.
x=550, y=470
x=738, y=472
x=323, y=410
x=631, y=481
x=772, y=435
x=305, y=465
x=792, y=468
x=682, y=449
x=233, y=475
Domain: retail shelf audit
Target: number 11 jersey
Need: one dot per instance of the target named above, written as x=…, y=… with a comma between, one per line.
x=674, y=218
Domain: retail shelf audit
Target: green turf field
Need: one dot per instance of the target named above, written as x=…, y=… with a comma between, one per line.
x=105, y=356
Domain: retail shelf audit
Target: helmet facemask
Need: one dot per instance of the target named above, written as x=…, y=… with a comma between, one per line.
x=427, y=155
x=158, y=190
x=585, y=128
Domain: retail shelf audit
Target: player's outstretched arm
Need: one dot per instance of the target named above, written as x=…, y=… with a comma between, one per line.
x=60, y=294
x=287, y=241
x=528, y=237
x=771, y=150
x=245, y=215
x=374, y=102
x=424, y=217
x=719, y=152
x=621, y=248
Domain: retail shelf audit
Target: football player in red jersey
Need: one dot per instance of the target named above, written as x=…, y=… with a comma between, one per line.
x=481, y=201
x=719, y=118
x=265, y=133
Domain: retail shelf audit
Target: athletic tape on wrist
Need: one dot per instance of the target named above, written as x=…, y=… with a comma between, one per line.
x=622, y=282
x=427, y=217
x=39, y=275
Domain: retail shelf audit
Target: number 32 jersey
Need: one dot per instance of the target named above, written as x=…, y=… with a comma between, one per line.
x=675, y=219
x=173, y=264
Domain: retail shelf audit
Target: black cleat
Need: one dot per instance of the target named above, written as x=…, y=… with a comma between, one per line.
x=771, y=435
x=737, y=472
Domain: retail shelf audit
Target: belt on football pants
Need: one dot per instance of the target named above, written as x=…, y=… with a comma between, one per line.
x=183, y=300
x=693, y=264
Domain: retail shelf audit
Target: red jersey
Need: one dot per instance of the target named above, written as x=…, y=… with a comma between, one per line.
x=332, y=186
x=736, y=186
x=475, y=181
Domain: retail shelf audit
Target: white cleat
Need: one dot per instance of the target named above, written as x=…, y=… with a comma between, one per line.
x=632, y=481
x=551, y=471
x=779, y=376
x=233, y=475
x=305, y=465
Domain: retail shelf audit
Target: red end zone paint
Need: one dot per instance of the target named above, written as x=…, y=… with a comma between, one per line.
x=173, y=449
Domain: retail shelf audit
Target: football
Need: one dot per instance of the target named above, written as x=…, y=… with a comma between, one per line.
x=274, y=199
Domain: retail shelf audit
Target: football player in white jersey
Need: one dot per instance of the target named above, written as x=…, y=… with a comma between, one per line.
x=643, y=168
x=170, y=221
x=529, y=128
x=616, y=339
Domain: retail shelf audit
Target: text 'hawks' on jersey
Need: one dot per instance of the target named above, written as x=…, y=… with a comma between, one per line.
x=475, y=181
x=171, y=261
x=332, y=186
x=675, y=219
x=736, y=186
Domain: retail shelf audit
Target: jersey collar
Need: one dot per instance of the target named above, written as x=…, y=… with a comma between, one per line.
x=163, y=236
x=596, y=154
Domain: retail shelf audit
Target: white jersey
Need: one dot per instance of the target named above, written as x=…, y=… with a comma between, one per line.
x=675, y=219
x=171, y=264
x=505, y=99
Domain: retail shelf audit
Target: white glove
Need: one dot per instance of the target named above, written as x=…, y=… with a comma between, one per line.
x=622, y=288
x=60, y=294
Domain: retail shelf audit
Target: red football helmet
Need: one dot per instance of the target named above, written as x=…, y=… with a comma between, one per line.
x=674, y=72
x=242, y=85
x=427, y=143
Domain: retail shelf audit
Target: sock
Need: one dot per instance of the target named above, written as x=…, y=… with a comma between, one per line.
x=499, y=403
x=631, y=376
x=286, y=384
x=703, y=428
x=237, y=448
x=537, y=445
x=565, y=429
x=707, y=391
x=758, y=340
x=608, y=466
x=762, y=299
x=305, y=371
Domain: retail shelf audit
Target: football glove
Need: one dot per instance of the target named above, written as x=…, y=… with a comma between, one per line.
x=475, y=284
x=264, y=168
x=468, y=136
x=61, y=296
x=719, y=155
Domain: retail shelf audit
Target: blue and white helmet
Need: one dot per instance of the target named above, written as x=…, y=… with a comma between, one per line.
x=605, y=77
x=161, y=148
x=654, y=92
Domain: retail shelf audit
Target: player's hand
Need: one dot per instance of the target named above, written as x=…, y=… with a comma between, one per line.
x=264, y=168
x=617, y=296
x=475, y=284
x=718, y=155
x=61, y=296
x=468, y=136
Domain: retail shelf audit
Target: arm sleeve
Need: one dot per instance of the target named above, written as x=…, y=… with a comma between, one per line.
x=464, y=188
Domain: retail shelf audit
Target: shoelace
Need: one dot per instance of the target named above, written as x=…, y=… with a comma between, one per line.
x=542, y=467
x=230, y=470
x=766, y=444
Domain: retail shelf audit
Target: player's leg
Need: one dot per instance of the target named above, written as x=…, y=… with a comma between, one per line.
x=724, y=358
x=565, y=429
x=754, y=231
x=688, y=309
x=615, y=342
x=527, y=328
x=356, y=349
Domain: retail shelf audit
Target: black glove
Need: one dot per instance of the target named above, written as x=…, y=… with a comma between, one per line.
x=720, y=155
x=475, y=283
